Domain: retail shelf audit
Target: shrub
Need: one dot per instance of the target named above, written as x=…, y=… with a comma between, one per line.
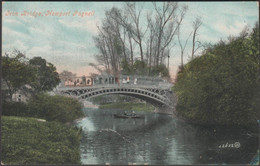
x=222, y=86
x=15, y=109
x=55, y=108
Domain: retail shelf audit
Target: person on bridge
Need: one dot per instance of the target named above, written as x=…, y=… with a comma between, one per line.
x=135, y=81
x=84, y=80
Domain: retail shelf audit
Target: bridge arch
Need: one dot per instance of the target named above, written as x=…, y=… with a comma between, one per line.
x=150, y=96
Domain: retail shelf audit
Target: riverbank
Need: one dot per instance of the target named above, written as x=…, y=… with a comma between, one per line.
x=129, y=106
x=41, y=131
x=33, y=141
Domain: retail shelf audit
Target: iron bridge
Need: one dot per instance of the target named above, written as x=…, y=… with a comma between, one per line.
x=156, y=95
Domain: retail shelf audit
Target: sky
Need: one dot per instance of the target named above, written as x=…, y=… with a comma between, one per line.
x=66, y=40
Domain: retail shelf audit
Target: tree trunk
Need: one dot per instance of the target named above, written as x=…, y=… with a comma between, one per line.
x=141, y=51
x=193, y=44
x=150, y=56
x=182, y=58
x=131, y=50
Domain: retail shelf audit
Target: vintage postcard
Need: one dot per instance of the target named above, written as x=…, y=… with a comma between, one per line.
x=130, y=83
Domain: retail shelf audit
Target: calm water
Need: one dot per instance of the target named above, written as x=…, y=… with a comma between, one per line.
x=160, y=139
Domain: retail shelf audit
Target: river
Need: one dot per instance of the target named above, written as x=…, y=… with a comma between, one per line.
x=161, y=139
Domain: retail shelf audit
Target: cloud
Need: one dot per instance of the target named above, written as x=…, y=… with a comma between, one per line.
x=86, y=24
x=20, y=45
x=39, y=51
x=63, y=59
x=229, y=29
x=242, y=9
x=10, y=20
x=41, y=30
x=27, y=19
x=13, y=33
x=71, y=44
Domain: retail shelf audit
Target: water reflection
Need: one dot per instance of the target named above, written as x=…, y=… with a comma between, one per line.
x=158, y=139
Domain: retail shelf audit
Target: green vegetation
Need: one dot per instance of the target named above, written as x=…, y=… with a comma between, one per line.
x=47, y=76
x=55, y=108
x=129, y=106
x=222, y=85
x=30, y=76
x=28, y=141
x=52, y=108
x=17, y=73
x=141, y=68
x=15, y=109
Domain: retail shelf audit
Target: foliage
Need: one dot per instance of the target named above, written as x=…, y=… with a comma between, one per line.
x=141, y=68
x=222, y=86
x=126, y=68
x=28, y=141
x=160, y=69
x=66, y=75
x=16, y=72
x=15, y=109
x=33, y=76
x=47, y=76
x=129, y=106
x=55, y=108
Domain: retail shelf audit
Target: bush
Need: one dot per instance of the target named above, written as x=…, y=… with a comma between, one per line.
x=28, y=141
x=222, y=86
x=15, y=109
x=156, y=70
x=55, y=108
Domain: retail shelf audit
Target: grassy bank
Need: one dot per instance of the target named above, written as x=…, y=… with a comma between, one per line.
x=129, y=106
x=29, y=141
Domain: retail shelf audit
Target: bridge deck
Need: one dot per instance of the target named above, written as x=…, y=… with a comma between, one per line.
x=161, y=86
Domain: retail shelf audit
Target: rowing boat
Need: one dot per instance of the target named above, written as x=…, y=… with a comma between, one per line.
x=126, y=116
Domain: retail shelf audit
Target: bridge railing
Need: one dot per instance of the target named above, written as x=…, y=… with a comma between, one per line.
x=123, y=80
x=167, y=86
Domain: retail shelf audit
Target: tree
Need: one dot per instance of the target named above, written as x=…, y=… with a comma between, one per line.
x=182, y=46
x=110, y=43
x=126, y=70
x=140, y=67
x=47, y=76
x=166, y=25
x=133, y=26
x=122, y=30
x=17, y=72
x=66, y=75
x=196, y=24
x=160, y=70
x=222, y=85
